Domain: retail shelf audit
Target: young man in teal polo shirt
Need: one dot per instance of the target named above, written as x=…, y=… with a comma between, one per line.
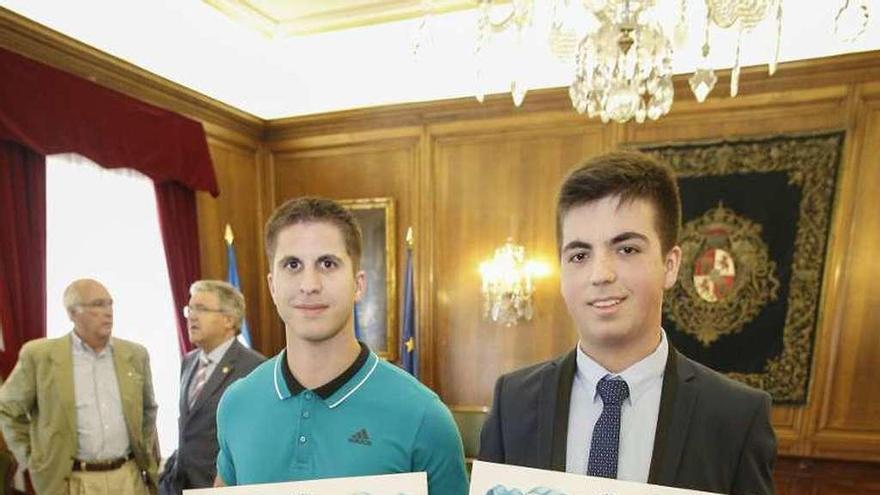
x=326, y=406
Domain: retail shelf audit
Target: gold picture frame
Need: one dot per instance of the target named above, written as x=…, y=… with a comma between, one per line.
x=377, y=310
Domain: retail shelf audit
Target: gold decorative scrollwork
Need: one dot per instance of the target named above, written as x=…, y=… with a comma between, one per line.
x=726, y=276
x=810, y=162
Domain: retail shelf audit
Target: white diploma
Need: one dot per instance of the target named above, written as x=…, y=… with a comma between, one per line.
x=386, y=484
x=498, y=479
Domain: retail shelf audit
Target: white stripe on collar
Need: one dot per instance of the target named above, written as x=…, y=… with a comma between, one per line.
x=275, y=375
x=363, y=380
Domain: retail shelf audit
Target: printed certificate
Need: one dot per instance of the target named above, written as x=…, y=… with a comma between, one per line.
x=386, y=484
x=498, y=479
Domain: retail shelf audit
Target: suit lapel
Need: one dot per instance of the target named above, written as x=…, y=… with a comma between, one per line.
x=221, y=373
x=189, y=369
x=130, y=387
x=558, y=391
x=678, y=396
x=62, y=359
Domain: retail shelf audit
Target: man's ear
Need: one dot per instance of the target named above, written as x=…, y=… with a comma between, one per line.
x=671, y=264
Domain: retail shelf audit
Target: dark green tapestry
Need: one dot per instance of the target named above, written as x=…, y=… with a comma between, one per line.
x=755, y=221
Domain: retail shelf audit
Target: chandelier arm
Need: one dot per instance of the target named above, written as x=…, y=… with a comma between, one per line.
x=502, y=24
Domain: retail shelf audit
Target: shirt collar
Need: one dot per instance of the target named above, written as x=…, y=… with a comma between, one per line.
x=217, y=354
x=288, y=386
x=637, y=377
x=80, y=346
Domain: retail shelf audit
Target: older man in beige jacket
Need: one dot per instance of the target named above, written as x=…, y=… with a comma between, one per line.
x=78, y=411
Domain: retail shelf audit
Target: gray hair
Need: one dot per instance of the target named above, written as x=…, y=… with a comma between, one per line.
x=72, y=297
x=231, y=299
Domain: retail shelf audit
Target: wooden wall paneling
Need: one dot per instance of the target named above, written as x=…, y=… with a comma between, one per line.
x=747, y=115
x=272, y=329
x=488, y=186
x=354, y=167
x=847, y=424
x=423, y=255
x=799, y=476
x=236, y=170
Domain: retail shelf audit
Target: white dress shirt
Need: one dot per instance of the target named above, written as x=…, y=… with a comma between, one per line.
x=101, y=433
x=638, y=415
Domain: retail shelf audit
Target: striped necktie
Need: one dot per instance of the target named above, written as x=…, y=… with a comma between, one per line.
x=606, y=434
x=198, y=380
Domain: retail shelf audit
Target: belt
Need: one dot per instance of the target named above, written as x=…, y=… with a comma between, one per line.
x=110, y=465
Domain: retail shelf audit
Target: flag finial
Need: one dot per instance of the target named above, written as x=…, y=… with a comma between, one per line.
x=228, y=235
x=409, y=238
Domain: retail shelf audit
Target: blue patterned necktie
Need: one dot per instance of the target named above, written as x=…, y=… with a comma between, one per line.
x=606, y=433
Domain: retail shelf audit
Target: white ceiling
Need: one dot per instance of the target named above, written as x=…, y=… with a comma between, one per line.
x=191, y=43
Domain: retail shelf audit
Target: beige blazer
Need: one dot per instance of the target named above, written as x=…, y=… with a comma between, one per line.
x=38, y=410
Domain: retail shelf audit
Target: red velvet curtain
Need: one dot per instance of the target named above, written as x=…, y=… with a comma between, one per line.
x=48, y=111
x=179, y=225
x=23, y=251
x=51, y=111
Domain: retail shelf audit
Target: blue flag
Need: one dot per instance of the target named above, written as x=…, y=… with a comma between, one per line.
x=232, y=278
x=409, y=356
x=357, y=324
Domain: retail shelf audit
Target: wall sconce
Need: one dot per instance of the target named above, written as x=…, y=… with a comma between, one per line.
x=508, y=284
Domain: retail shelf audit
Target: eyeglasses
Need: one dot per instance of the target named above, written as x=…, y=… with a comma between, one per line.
x=194, y=310
x=96, y=304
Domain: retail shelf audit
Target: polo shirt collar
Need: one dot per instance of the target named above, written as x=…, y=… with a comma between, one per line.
x=286, y=385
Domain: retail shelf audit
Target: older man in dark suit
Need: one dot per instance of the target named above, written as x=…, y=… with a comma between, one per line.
x=214, y=317
x=624, y=403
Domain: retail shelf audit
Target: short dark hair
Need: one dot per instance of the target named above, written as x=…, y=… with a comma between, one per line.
x=630, y=175
x=315, y=209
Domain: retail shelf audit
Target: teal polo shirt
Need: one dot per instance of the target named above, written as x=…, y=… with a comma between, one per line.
x=372, y=419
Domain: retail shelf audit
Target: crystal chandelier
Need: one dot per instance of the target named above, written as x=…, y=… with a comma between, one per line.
x=623, y=67
x=508, y=284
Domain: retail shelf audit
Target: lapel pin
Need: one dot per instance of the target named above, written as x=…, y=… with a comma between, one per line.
x=226, y=369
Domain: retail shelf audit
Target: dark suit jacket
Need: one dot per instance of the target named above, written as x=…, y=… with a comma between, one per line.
x=193, y=464
x=713, y=433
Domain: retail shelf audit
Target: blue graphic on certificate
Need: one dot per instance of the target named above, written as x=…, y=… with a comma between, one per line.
x=498, y=479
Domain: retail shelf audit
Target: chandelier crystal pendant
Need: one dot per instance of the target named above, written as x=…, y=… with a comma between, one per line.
x=519, y=18
x=704, y=78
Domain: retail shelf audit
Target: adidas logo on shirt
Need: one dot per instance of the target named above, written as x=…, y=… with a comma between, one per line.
x=361, y=437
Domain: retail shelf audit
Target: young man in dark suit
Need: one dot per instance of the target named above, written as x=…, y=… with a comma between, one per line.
x=214, y=317
x=624, y=403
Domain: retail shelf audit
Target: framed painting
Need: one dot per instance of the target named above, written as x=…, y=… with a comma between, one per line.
x=376, y=312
